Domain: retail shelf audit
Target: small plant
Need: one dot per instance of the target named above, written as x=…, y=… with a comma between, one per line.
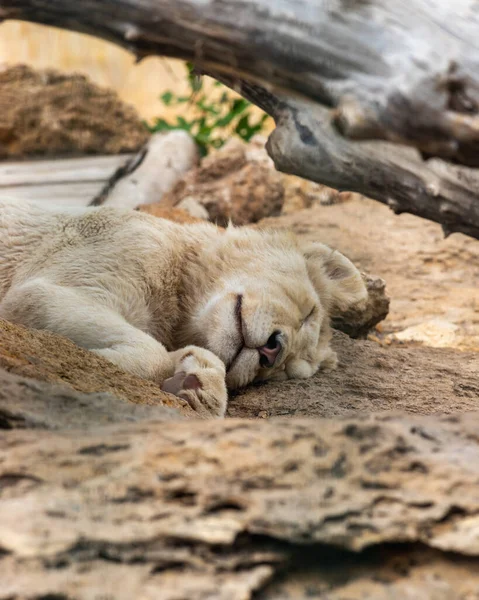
x=212, y=121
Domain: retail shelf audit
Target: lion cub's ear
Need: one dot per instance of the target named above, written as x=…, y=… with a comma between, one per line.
x=337, y=281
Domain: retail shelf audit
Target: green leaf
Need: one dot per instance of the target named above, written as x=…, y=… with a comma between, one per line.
x=161, y=125
x=240, y=105
x=204, y=138
x=209, y=108
x=195, y=81
x=202, y=148
x=184, y=124
x=224, y=121
x=167, y=98
x=218, y=142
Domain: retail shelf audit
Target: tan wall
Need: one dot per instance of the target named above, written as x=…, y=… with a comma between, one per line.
x=106, y=64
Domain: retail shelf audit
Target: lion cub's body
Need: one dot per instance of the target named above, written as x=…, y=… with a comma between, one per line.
x=186, y=305
x=123, y=259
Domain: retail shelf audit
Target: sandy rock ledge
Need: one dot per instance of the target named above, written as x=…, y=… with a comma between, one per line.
x=374, y=507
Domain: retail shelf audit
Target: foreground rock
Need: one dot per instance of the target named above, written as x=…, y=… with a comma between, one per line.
x=228, y=509
x=27, y=403
x=47, y=113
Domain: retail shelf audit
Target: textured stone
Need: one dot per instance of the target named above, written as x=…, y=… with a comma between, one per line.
x=230, y=186
x=364, y=507
x=357, y=323
x=27, y=403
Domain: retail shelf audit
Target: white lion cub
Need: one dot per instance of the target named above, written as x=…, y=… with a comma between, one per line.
x=193, y=307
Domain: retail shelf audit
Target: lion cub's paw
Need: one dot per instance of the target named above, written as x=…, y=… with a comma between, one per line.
x=199, y=379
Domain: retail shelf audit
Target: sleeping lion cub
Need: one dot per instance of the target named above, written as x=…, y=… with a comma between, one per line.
x=193, y=307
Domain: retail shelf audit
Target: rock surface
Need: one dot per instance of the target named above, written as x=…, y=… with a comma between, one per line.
x=230, y=185
x=45, y=113
x=365, y=507
x=27, y=403
x=357, y=323
x=371, y=378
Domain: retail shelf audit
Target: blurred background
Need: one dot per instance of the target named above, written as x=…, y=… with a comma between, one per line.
x=104, y=63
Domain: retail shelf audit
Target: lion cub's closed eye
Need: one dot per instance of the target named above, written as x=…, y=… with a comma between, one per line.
x=192, y=307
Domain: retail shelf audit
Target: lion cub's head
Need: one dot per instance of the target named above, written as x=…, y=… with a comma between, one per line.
x=268, y=304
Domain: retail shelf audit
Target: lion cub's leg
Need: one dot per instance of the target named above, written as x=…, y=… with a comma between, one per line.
x=199, y=379
x=194, y=374
x=76, y=314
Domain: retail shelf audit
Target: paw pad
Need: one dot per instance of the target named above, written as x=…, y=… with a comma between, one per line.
x=180, y=382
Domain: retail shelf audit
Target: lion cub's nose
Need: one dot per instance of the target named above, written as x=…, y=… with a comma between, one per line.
x=269, y=352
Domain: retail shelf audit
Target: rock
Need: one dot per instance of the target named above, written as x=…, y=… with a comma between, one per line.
x=437, y=333
x=26, y=403
x=45, y=113
x=301, y=193
x=229, y=186
x=158, y=167
x=379, y=507
x=172, y=214
x=357, y=323
x=44, y=356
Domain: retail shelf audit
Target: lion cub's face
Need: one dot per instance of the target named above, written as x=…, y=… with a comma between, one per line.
x=268, y=315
